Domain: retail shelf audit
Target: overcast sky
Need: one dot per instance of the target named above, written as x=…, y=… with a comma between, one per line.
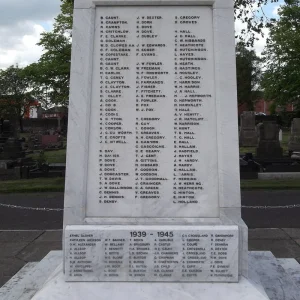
x=22, y=22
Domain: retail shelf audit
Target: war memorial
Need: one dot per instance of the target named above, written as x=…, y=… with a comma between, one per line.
x=152, y=198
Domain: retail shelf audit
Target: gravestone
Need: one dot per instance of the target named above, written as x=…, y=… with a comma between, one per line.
x=269, y=145
x=248, y=134
x=152, y=198
x=12, y=149
x=294, y=142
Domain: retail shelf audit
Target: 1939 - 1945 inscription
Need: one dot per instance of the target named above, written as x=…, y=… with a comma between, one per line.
x=145, y=253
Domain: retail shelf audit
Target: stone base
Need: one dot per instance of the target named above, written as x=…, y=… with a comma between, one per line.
x=58, y=289
x=267, y=149
x=269, y=278
x=294, y=147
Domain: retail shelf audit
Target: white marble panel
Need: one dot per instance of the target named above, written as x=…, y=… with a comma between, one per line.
x=151, y=253
x=230, y=216
x=153, y=119
x=83, y=4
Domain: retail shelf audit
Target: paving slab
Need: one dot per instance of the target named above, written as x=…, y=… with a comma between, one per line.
x=51, y=236
x=294, y=233
x=20, y=236
x=279, y=248
x=267, y=234
x=292, y=267
x=10, y=266
x=31, y=278
x=36, y=251
x=9, y=249
x=297, y=241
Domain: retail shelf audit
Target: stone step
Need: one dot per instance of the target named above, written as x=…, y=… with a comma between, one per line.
x=30, y=279
x=278, y=283
x=292, y=267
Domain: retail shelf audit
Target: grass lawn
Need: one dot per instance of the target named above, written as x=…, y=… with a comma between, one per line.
x=57, y=185
x=275, y=184
x=54, y=156
x=33, y=185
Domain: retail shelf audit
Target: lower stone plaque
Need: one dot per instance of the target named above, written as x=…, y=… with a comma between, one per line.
x=151, y=253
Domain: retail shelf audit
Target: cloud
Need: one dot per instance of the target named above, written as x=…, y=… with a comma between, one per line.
x=21, y=23
x=275, y=11
x=22, y=49
x=19, y=11
x=260, y=43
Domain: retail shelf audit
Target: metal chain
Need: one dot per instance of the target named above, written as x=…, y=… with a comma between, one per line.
x=31, y=208
x=61, y=209
x=272, y=207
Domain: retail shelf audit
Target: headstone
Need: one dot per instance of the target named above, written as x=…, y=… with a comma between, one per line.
x=248, y=133
x=12, y=149
x=3, y=164
x=51, y=140
x=294, y=143
x=269, y=145
x=152, y=198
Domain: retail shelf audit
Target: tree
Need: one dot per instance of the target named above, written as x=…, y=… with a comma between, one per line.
x=281, y=81
x=50, y=76
x=248, y=75
x=14, y=94
x=253, y=15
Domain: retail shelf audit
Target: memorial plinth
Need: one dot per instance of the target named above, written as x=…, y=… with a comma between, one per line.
x=152, y=196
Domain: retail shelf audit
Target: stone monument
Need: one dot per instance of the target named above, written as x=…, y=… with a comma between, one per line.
x=294, y=143
x=269, y=145
x=147, y=200
x=152, y=204
x=248, y=134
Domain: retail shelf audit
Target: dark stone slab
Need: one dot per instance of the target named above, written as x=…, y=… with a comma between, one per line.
x=269, y=145
x=279, y=248
x=294, y=233
x=10, y=249
x=36, y=251
x=283, y=168
x=12, y=149
x=51, y=236
x=20, y=236
x=10, y=266
x=3, y=280
x=267, y=234
x=248, y=174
